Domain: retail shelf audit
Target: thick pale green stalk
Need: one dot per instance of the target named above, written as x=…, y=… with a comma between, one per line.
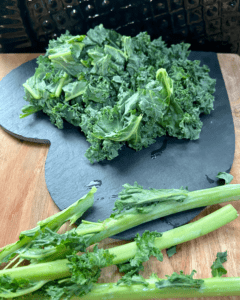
x=59, y=269
x=181, y=234
x=72, y=213
x=200, y=198
x=210, y=287
x=227, y=286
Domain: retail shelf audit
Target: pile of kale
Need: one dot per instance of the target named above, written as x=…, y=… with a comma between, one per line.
x=120, y=90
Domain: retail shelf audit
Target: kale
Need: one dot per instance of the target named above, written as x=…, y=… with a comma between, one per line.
x=120, y=90
x=217, y=267
x=180, y=280
x=224, y=177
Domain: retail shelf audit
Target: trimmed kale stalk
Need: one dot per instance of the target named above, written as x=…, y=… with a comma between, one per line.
x=136, y=206
x=53, y=223
x=152, y=289
x=175, y=286
x=75, y=270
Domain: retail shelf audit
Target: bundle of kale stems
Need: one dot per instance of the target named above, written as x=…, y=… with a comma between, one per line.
x=120, y=90
x=46, y=264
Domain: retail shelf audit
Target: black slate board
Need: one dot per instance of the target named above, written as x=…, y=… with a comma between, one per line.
x=169, y=163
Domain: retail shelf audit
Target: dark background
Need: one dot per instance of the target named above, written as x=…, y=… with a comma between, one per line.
x=208, y=25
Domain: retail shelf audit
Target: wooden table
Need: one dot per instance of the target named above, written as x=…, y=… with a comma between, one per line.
x=24, y=198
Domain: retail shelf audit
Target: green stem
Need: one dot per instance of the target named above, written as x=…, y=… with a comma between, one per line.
x=60, y=85
x=56, y=55
x=195, y=199
x=72, y=213
x=59, y=269
x=32, y=289
x=181, y=234
x=211, y=287
x=31, y=91
x=228, y=286
x=114, y=225
x=12, y=262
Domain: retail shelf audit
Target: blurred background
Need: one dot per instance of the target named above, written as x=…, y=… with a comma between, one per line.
x=208, y=25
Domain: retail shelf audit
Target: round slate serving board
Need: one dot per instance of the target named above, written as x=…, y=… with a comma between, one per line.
x=169, y=163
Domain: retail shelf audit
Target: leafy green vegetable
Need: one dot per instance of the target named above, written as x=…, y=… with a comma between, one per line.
x=180, y=280
x=217, y=268
x=171, y=251
x=50, y=243
x=137, y=287
x=120, y=90
x=17, y=287
x=136, y=206
x=145, y=248
x=139, y=198
x=77, y=275
x=85, y=270
x=53, y=223
x=226, y=177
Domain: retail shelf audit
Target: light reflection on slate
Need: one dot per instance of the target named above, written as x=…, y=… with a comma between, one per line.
x=169, y=163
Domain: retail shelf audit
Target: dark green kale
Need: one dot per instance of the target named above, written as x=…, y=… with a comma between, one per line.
x=217, y=268
x=85, y=271
x=180, y=280
x=171, y=251
x=120, y=90
x=224, y=177
x=50, y=243
x=145, y=249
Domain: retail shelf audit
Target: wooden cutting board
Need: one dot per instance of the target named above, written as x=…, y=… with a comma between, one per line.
x=24, y=198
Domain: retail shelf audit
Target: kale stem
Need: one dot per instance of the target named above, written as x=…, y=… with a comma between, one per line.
x=56, y=55
x=18, y=263
x=72, y=213
x=34, y=94
x=211, y=287
x=195, y=199
x=11, y=262
x=59, y=269
x=218, y=286
x=60, y=85
x=181, y=234
x=131, y=218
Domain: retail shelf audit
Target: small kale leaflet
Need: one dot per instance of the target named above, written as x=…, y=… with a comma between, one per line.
x=217, y=268
x=145, y=249
x=120, y=90
x=171, y=251
x=180, y=280
x=225, y=177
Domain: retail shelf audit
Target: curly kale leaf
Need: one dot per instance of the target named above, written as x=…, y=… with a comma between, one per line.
x=180, y=280
x=138, y=198
x=120, y=90
x=49, y=242
x=217, y=267
x=145, y=249
x=225, y=177
x=85, y=271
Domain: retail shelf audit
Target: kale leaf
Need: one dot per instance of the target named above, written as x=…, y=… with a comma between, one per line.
x=225, y=177
x=120, y=90
x=180, y=280
x=217, y=268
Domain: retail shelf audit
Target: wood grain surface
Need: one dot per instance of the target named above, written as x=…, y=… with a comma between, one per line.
x=24, y=198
